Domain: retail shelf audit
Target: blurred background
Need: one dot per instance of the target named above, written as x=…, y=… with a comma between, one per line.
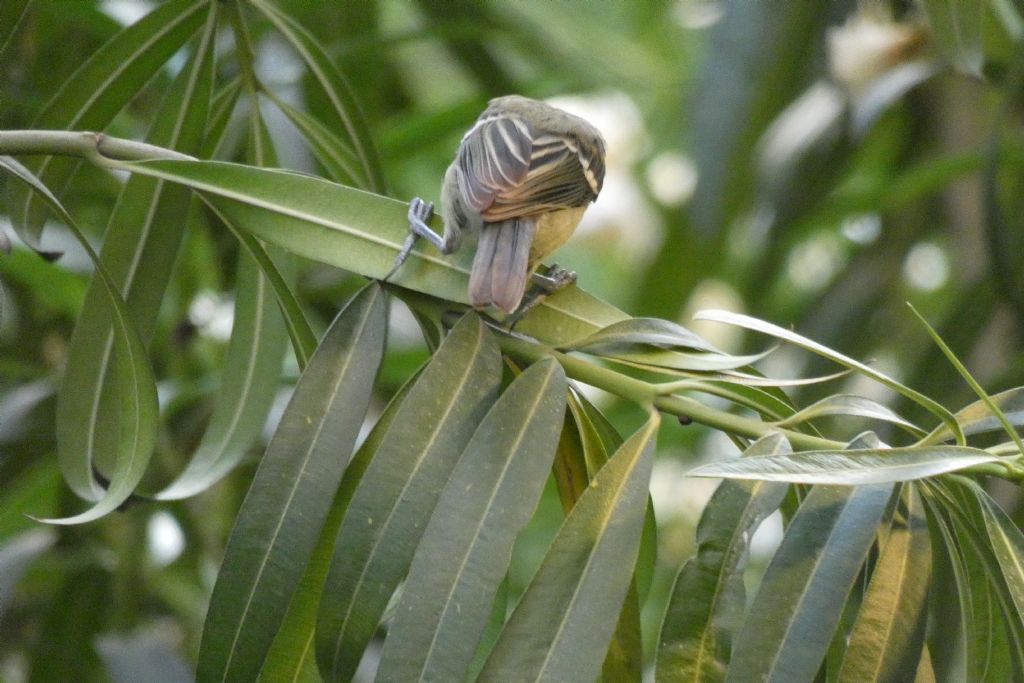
x=814, y=164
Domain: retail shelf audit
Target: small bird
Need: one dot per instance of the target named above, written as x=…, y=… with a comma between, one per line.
x=520, y=182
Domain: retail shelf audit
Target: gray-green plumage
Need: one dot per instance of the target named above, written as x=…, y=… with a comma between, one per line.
x=521, y=179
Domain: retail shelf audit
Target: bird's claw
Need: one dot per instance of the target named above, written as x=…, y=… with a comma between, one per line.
x=419, y=213
x=555, y=279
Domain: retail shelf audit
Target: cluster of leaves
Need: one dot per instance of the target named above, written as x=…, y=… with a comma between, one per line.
x=418, y=525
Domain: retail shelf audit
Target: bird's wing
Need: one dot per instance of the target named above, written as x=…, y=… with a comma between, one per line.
x=508, y=169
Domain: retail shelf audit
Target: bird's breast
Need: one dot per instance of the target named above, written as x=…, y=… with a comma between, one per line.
x=553, y=229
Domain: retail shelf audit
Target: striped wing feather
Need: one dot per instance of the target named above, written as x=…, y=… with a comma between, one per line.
x=509, y=170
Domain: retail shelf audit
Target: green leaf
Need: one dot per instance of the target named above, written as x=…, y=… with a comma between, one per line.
x=849, y=405
x=143, y=236
x=1007, y=544
x=750, y=323
x=659, y=343
x=299, y=331
x=340, y=162
x=627, y=335
x=399, y=490
x=957, y=28
x=707, y=601
x=981, y=624
x=139, y=409
x=251, y=365
x=326, y=75
x=886, y=641
x=624, y=661
x=360, y=232
x=564, y=622
x=686, y=362
x=791, y=621
x=251, y=371
x=467, y=545
x=977, y=418
x=280, y=519
x=292, y=656
x=98, y=90
x=852, y=467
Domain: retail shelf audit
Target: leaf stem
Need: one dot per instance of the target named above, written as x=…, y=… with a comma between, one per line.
x=96, y=147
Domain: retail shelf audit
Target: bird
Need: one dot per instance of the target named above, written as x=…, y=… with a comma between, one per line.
x=522, y=178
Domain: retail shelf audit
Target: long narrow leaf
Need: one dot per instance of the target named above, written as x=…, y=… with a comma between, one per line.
x=96, y=92
x=707, y=598
x=886, y=641
x=279, y=522
x=137, y=386
x=292, y=656
x=399, y=490
x=142, y=239
x=251, y=366
x=977, y=418
x=561, y=628
x=849, y=405
x=791, y=621
x=467, y=545
x=850, y=467
x=360, y=232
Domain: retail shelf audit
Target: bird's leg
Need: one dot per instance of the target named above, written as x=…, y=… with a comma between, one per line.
x=419, y=213
x=543, y=286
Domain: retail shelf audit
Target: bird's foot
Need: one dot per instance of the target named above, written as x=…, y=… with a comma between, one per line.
x=543, y=286
x=419, y=213
x=555, y=279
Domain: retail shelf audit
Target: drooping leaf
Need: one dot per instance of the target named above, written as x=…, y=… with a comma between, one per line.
x=139, y=248
x=96, y=92
x=887, y=638
x=137, y=388
x=251, y=365
x=280, y=519
x=789, y=625
x=561, y=628
x=467, y=544
x=707, y=600
x=299, y=331
x=398, y=492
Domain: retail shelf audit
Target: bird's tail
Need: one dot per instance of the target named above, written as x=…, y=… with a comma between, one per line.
x=500, y=268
